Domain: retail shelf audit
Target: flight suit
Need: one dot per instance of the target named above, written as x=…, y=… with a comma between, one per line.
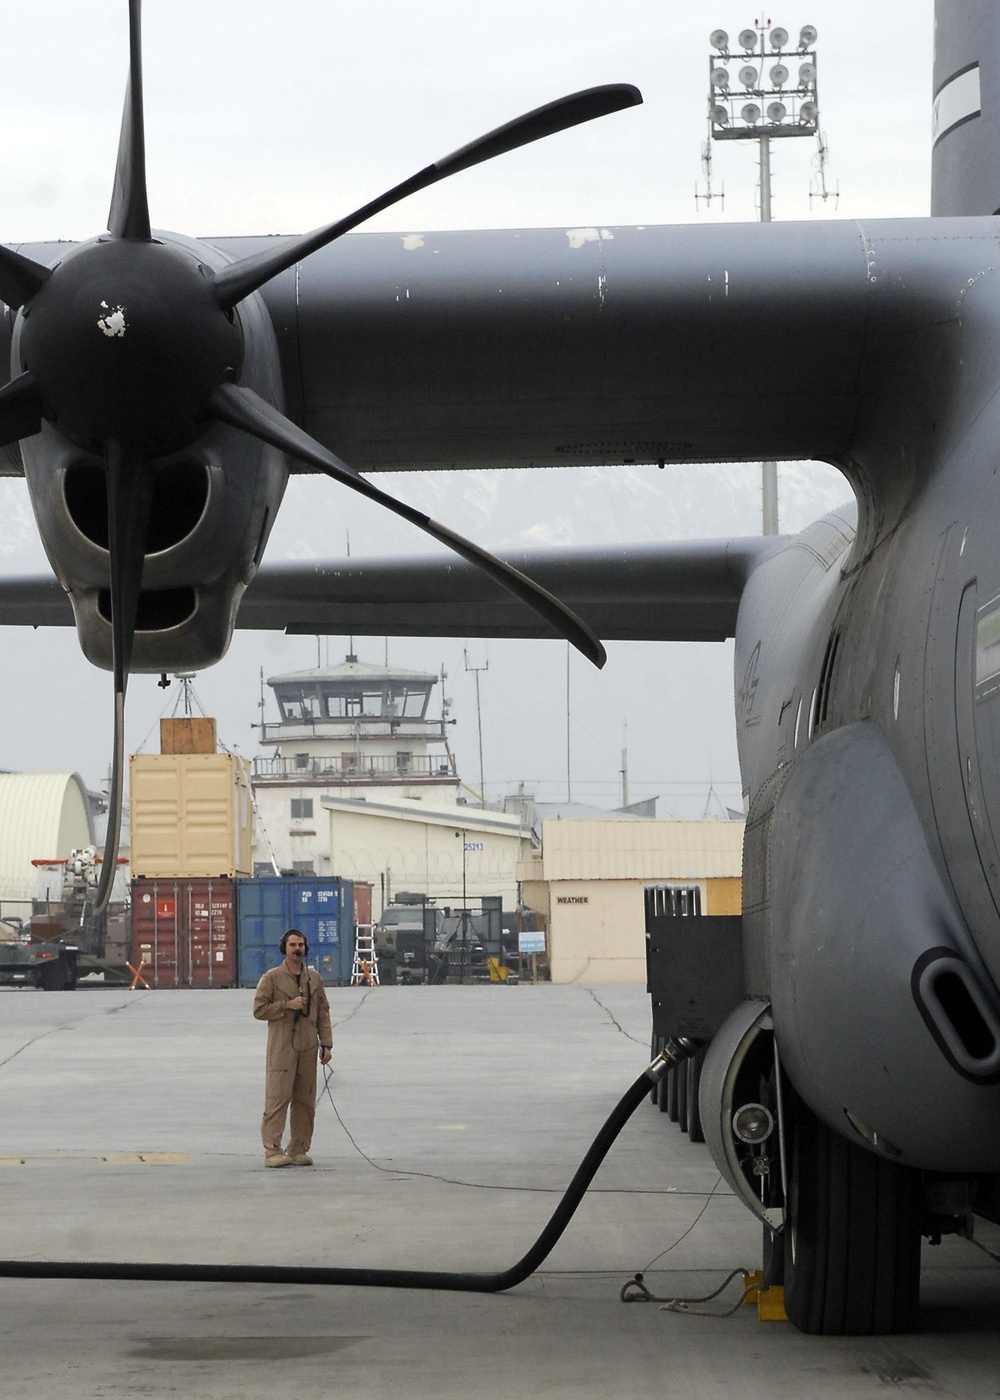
x=293, y=1042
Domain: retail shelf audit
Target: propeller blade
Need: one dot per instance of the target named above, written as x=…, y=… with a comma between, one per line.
x=242, y=408
x=20, y=278
x=116, y=797
x=129, y=501
x=129, y=216
x=20, y=409
x=236, y=282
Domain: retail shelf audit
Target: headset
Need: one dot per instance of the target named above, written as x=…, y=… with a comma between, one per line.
x=287, y=934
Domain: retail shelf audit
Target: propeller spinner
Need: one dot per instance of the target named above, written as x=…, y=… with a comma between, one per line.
x=131, y=346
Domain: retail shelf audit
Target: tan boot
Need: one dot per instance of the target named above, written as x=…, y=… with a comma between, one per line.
x=277, y=1159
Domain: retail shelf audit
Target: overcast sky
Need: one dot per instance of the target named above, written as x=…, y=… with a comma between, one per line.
x=266, y=118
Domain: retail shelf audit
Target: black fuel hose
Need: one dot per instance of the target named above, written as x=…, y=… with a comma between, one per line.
x=674, y=1052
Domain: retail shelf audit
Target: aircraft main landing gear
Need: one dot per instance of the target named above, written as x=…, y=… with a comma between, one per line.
x=851, y=1237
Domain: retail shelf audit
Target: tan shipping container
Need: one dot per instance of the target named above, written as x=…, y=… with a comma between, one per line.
x=191, y=815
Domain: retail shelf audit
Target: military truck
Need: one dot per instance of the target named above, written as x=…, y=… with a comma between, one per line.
x=29, y=960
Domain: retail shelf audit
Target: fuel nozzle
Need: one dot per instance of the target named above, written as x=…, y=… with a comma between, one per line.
x=676, y=1049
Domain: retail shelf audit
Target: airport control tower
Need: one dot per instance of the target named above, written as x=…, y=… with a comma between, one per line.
x=354, y=730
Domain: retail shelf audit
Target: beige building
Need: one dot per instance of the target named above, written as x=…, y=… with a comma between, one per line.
x=589, y=879
x=452, y=853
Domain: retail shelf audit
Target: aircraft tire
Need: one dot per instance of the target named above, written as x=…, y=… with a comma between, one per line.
x=669, y=1103
x=680, y=1074
x=695, y=1131
x=852, y=1241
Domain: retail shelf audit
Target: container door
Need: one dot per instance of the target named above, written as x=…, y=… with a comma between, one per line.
x=252, y=960
x=157, y=911
x=210, y=933
x=316, y=911
x=264, y=915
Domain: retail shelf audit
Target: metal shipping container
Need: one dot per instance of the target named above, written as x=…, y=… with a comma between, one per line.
x=322, y=907
x=184, y=930
x=191, y=815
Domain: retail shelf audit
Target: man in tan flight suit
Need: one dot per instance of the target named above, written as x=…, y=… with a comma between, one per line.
x=292, y=1000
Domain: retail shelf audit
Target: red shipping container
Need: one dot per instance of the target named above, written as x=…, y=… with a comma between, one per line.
x=184, y=931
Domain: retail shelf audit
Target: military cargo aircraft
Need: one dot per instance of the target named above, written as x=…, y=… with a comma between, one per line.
x=160, y=387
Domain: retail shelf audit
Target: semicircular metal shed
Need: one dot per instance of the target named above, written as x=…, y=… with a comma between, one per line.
x=43, y=816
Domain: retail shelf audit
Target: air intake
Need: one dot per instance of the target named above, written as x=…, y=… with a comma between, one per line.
x=958, y=1014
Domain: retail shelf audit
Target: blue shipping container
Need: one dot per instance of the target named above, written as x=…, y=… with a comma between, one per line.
x=323, y=908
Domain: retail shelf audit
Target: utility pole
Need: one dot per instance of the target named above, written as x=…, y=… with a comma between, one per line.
x=569, y=771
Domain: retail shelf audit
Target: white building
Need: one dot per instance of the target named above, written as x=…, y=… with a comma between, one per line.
x=350, y=731
x=454, y=854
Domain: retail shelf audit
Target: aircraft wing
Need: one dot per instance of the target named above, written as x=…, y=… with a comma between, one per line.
x=597, y=346
x=681, y=591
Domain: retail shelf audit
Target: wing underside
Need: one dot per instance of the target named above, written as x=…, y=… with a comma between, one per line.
x=681, y=591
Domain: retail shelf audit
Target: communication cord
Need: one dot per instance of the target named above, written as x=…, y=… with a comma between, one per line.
x=673, y=1053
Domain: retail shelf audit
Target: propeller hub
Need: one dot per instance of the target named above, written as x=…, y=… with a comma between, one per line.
x=126, y=341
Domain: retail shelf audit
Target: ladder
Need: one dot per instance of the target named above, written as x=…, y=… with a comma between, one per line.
x=364, y=971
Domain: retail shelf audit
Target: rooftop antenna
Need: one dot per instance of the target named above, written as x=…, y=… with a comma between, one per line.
x=706, y=168
x=479, y=721
x=260, y=702
x=818, y=189
x=350, y=649
x=624, y=767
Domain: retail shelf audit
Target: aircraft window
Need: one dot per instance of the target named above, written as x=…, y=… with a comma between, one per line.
x=988, y=642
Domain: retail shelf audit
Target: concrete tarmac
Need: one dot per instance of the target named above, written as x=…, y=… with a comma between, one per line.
x=456, y=1116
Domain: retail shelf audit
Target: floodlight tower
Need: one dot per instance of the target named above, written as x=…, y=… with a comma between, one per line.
x=772, y=102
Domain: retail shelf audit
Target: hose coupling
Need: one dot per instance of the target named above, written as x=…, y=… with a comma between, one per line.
x=675, y=1050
